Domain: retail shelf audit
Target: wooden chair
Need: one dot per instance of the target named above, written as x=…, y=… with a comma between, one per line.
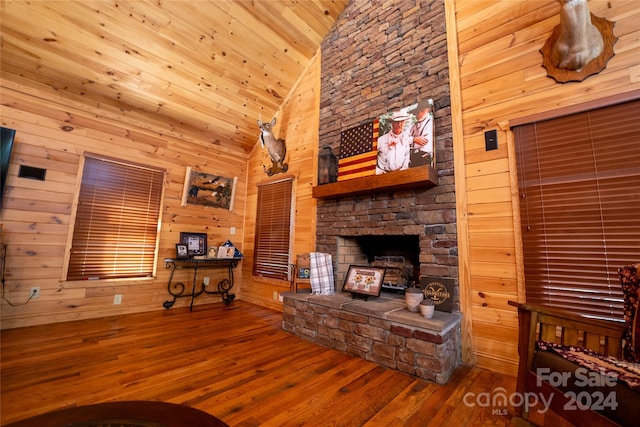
x=541, y=323
x=301, y=273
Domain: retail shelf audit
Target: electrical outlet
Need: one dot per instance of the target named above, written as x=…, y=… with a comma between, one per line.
x=117, y=299
x=232, y=230
x=275, y=295
x=206, y=281
x=34, y=292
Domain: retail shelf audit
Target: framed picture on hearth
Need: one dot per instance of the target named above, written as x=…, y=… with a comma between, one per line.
x=364, y=280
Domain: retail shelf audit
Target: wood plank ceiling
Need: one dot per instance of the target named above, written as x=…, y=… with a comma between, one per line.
x=200, y=69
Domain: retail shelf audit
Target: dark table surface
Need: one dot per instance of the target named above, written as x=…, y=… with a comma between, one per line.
x=124, y=414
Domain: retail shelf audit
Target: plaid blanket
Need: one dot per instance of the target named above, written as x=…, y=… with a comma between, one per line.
x=321, y=274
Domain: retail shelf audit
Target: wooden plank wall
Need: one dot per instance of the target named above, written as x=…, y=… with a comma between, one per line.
x=35, y=215
x=501, y=78
x=297, y=123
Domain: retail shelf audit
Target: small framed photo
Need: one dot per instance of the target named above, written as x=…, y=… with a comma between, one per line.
x=196, y=243
x=181, y=251
x=364, y=280
x=226, y=251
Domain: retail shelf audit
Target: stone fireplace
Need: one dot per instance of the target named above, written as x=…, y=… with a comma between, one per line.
x=375, y=60
x=391, y=59
x=417, y=225
x=420, y=226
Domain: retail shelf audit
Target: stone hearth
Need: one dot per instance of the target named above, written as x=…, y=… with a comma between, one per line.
x=381, y=330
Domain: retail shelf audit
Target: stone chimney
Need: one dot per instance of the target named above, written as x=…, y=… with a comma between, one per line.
x=378, y=58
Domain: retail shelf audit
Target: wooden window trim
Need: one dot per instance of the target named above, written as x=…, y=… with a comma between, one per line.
x=575, y=109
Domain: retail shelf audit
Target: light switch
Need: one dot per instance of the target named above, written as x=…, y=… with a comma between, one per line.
x=491, y=140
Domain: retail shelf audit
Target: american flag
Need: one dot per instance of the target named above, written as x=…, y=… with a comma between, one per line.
x=358, y=151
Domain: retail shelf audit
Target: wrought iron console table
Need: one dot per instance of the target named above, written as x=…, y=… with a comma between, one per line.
x=179, y=289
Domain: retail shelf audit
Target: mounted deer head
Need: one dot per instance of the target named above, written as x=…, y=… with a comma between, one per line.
x=276, y=147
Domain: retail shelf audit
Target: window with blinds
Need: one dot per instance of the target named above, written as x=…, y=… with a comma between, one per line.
x=116, y=224
x=273, y=230
x=579, y=183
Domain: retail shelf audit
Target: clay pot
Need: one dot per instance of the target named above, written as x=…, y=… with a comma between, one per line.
x=427, y=308
x=413, y=297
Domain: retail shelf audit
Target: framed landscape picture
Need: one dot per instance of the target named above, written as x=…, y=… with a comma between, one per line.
x=364, y=280
x=207, y=189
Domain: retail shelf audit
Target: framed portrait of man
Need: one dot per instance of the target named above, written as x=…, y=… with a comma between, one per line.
x=407, y=138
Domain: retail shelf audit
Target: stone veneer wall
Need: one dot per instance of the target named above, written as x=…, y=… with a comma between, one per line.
x=379, y=57
x=382, y=331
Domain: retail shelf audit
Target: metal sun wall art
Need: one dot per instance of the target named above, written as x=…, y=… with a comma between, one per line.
x=210, y=190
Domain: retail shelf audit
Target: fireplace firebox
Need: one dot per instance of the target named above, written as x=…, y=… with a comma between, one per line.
x=398, y=254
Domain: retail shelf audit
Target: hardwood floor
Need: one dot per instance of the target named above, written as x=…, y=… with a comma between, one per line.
x=233, y=362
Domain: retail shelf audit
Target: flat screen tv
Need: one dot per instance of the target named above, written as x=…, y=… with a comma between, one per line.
x=7, y=146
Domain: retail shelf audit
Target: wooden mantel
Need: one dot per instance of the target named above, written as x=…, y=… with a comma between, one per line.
x=418, y=177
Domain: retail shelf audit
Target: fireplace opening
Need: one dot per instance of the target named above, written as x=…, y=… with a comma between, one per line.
x=400, y=255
